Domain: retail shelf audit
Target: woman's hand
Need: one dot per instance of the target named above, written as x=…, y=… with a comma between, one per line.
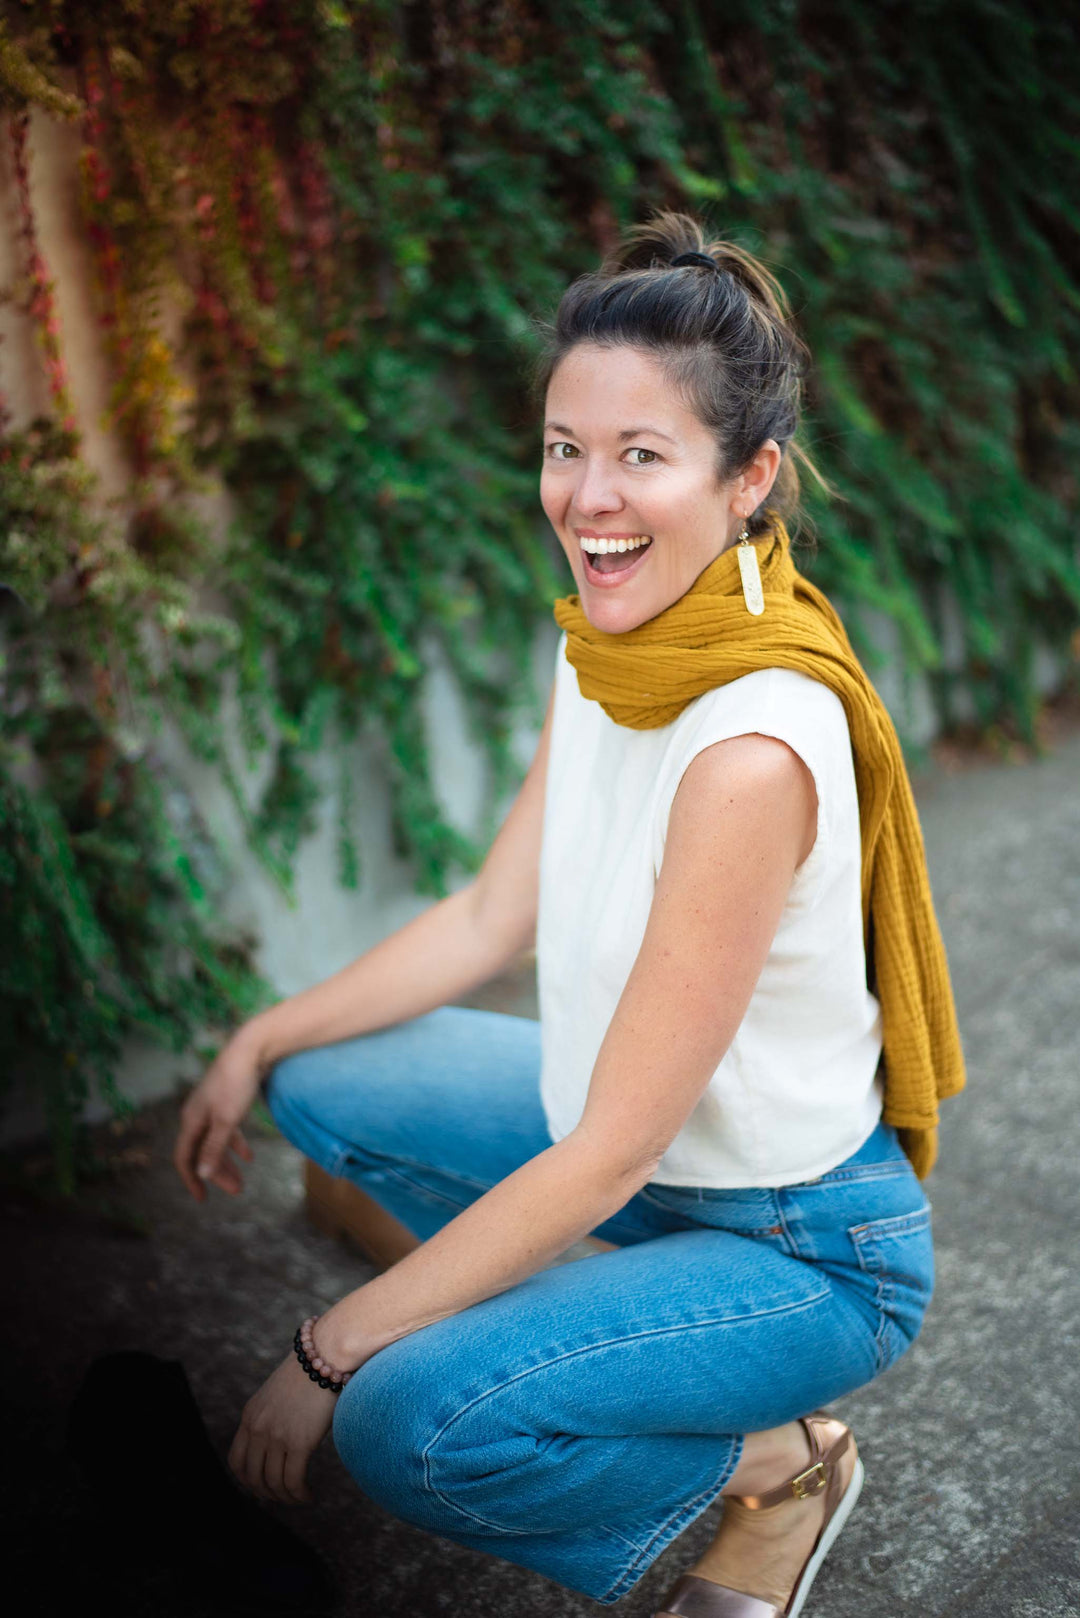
x=281, y=1427
x=210, y=1121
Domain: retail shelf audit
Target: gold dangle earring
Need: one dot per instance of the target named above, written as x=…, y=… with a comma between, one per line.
x=749, y=572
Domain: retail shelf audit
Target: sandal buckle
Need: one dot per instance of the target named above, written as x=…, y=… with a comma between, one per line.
x=799, y=1486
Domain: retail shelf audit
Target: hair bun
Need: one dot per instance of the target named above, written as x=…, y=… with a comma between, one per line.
x=695, y=258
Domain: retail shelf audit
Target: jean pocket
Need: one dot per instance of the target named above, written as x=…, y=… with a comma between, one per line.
x=897, y=1254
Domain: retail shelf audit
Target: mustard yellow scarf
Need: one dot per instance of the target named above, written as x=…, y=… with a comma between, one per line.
x=645, y=677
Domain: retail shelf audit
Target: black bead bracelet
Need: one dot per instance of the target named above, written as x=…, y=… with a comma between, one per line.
x=316, y=1376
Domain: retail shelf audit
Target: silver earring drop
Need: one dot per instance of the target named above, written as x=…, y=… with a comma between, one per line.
x=749, y=572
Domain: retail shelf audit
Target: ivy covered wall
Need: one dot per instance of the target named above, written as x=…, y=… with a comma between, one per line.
x=319, y=231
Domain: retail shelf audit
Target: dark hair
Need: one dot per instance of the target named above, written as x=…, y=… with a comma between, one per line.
x=724, y=337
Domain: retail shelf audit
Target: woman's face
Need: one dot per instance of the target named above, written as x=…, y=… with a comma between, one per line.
x=624, y=458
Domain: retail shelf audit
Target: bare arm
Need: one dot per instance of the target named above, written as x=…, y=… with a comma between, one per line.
x=443, y=952
x=450, y=948
x=742, y=821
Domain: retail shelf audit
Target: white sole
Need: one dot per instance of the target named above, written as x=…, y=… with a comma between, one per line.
x=828, y=1538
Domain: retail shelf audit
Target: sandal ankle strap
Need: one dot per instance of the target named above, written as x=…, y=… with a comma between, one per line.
x=812, y=1479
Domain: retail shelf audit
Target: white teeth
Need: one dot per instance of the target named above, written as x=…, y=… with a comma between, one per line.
x=601, y=547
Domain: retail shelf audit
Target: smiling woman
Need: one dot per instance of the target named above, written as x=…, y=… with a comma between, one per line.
x=745, y=1024
x=638, y=510
x=670, y=400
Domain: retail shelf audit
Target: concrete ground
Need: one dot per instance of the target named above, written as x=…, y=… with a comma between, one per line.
x=972, y=1499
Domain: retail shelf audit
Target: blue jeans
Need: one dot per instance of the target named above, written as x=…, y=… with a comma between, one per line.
x=577, y=1422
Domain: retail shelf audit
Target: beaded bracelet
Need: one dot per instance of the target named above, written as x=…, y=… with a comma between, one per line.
x=315, y=1366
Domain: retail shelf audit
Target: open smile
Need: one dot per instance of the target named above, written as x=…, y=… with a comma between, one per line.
x=606, y=565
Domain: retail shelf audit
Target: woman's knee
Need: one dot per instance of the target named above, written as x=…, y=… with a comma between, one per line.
x=384, y=1422
x=363, y=1077
x=295, y=1080
x=300, y=1092
x=433, y=1447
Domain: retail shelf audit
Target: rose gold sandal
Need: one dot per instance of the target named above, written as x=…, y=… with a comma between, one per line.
x=694, y=1597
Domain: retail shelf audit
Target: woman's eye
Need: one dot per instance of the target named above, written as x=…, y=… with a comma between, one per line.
x=561, y=444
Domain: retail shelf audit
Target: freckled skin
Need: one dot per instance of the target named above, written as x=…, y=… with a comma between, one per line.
x=643, y=485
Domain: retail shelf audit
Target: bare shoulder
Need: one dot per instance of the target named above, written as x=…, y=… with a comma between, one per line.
x=753, y=788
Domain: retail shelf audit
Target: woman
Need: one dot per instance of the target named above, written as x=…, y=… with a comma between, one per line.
x=746, y=1025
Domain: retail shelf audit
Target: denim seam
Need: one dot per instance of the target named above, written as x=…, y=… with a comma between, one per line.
x=880, y=1332
x=613, y=1533
x=860, y=1171
x=383, y=1163
x=641, y=1232
x=418, y=1189
x=585, y=1348
x=885, y=1294
x=387, y=1161
x=883, y=1316
x=893, y=1224
x=688, y=1213
x=781, y=1214
x=672, y=1526
x=391, y=1167
x=758, y=1233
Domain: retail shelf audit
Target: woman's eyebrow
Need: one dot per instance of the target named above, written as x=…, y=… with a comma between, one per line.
x=632, y=432
x=627, y=432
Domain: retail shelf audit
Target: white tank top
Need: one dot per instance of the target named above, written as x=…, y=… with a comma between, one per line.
x=798, y=1088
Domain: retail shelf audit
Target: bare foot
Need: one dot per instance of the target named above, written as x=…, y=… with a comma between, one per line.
x=761, y=1552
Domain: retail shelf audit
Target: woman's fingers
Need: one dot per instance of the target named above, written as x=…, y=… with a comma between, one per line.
x=281, y=1426
x=227, y=1177
x=213, y=1147
x=209, y=1125
x=250, y=1463
x=238, y=1454
x=240, y=1145
x=273, y=1474
x=201, y=1152
x=227, y=1174
x=295, y=1477
x=186, y=1152
x=214, y=1163
x=277, y=1474
x=201, y=1156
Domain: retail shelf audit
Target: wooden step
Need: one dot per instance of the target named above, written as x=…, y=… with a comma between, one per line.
x=340, y=1208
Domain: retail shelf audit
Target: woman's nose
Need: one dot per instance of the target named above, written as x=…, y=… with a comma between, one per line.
x=597, y=490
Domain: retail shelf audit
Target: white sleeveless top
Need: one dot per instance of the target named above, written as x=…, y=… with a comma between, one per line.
x=798, y=1089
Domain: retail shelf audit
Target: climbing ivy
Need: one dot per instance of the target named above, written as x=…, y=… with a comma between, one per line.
x=322, y=234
